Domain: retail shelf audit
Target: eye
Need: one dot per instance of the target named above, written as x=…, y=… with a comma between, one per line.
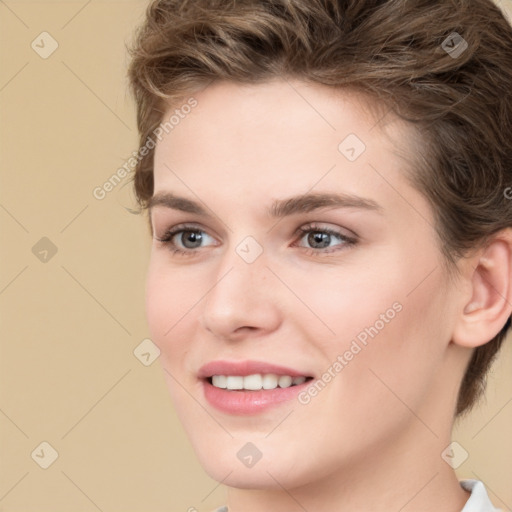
x=184, y=239
x=319, y=238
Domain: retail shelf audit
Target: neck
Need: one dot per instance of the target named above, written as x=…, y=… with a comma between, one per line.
x=409, y=475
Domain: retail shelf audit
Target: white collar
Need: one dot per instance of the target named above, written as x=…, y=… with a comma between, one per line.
x=479, y=500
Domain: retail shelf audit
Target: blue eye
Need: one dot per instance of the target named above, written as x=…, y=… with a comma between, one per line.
x=193, y=237
x=320, y=238
x=190, y=239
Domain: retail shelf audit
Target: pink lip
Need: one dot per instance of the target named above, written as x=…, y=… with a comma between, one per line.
x=244, y=368
x=244, y=402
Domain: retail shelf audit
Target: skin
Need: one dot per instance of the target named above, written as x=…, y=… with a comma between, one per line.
x=372, y=438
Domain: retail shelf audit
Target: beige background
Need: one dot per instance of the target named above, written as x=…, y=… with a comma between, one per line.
x=70, y=324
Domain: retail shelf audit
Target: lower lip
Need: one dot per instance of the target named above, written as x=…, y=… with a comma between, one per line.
x=244, y=402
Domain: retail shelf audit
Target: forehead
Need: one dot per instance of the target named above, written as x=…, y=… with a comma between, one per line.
x=282, y=114
x=280, y=138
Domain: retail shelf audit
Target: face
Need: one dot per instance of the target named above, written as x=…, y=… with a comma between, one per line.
x=343, y=285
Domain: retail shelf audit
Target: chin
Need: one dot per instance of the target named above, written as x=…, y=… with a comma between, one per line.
x=272, y=473
x=243, y=478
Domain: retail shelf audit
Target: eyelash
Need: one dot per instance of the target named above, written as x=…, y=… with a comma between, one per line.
x=166, y=240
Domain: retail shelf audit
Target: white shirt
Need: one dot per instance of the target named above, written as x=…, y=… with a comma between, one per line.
x=478, y=501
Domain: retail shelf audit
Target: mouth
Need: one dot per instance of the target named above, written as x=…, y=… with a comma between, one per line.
x=236, y=396
x=256, y=382
x=250, y=387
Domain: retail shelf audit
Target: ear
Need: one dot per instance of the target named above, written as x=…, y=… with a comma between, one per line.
x=490, y=284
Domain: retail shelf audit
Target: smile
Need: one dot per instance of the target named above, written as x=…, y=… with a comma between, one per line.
x=256, y=381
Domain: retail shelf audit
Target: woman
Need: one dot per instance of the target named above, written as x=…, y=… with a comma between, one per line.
x=330, y=276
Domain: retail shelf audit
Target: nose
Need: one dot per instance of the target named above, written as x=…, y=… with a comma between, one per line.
x=242, y=299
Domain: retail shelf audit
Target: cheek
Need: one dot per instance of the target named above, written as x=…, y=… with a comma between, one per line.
x=347, y=301
x=399, y=363
x=387, y=318
x=169, y=303
x=157, y=304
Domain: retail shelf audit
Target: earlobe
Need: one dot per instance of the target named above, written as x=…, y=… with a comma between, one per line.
x=488, y=308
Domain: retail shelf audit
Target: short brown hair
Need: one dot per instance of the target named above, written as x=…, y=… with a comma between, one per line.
x=445, y=66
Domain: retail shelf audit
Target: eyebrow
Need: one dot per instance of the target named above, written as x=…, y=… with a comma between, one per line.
x=280, y=207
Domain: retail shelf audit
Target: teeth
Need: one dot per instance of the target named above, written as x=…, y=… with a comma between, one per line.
x=234, y=382
x=270, y=381
x=253, y=382
x=220, y=381
x=285, y=381
x=256, y=381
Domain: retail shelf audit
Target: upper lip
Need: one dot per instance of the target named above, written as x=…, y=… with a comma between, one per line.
x=244, y=368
